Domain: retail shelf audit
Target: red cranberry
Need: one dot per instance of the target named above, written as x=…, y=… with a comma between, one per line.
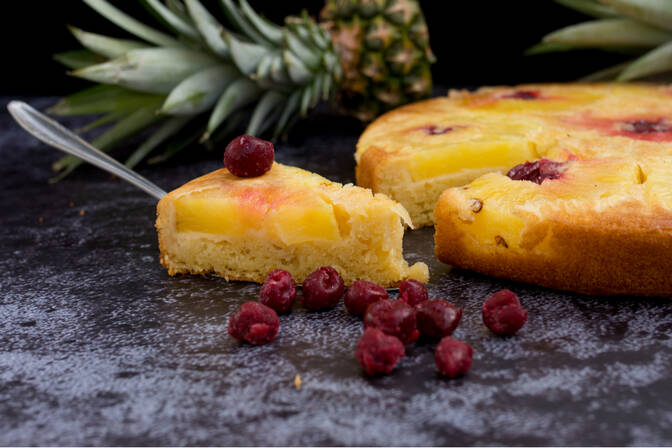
x=453, y=357
x=361, y=294
x=437, y=318
x=646, y=126
x=523, y=95
x=254, y=323
x=503, y=314
x=248, y=156
x=322, y=289
x=278, y=291
x=537, y=171
x=412, y=292
x=378, y=352
x=393, y=317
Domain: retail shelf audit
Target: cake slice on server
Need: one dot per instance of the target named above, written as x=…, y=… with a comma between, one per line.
x=287, y=218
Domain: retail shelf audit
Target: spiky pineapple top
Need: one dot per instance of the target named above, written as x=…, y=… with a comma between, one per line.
x=639, y=28
x=372, y=55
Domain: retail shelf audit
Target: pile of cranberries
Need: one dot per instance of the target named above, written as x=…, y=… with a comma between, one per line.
x=389, y=325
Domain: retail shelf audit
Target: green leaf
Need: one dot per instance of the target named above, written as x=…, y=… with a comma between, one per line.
x=609, y=32
x=654, y=62
x=298, y=72
x=171, y=19
x=128, y=23
x=309, y=56
x=200, y=91
x=266, y=106
x=155, y=70
x=103, y=45
x=607, y=74
x=655, y=12
x=168, y=129
x=245, y=55
x=77, y=59
x=290, y=109
x=240, y=23
x=124, y=129
x=104, y=99
x=270, y=31
x=209, y=27
x=102, y=121
x=590, y=8
x=239, y=94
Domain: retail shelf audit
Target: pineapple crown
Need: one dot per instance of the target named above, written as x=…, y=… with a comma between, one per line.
x=252, y=69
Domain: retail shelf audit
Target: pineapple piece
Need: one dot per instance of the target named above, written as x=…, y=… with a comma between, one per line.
x=603, y=227
x=242, y=228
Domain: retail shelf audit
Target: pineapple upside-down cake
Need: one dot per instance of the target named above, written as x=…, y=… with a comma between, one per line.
x=570, y=184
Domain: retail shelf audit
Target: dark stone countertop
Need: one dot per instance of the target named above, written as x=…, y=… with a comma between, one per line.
x=99, y=346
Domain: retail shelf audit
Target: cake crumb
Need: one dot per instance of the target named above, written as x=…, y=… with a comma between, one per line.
x=81, y=212
x=40, y=219
x=297, y=381
x=71, y=204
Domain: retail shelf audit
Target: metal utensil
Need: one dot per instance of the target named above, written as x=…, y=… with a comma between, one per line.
x=58, y=136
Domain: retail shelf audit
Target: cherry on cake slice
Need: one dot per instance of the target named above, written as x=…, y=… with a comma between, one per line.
x=288, y=218
x=595, y=226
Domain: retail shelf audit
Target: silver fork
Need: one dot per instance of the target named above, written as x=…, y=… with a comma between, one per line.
x=58, y=136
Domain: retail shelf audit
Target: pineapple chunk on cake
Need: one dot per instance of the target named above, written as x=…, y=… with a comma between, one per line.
x=598, y=226
x=288, y=218
x=414, y=153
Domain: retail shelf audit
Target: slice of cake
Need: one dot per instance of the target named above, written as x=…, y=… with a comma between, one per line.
x=288, y=218
x=599, y=226
x=414, y=153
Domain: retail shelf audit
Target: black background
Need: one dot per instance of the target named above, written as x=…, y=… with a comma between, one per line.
x=476, y=42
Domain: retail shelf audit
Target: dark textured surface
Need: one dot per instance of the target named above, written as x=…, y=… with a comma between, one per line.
x=98, y=346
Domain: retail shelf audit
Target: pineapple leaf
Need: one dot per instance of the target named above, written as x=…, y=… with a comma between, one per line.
x=298, y=72
x=548, y=47
x=78, y=59
x=103, y=45
x=606, y=74
x=291, y=106
x=590, y=8
x=178, y=8
x=168, y=129
x=279, y=71
x=309, y=56
x=200, y=91
x=102, y=121
x=155, y=70
x=246, y=56
x=238, y=21
x=240, y=93
x=176, y=146
x=654, y=12
x=609, y=32
x=270, y=31
x=125, y=128
x=128, y=23
x=209, y=27
x=171, y=19
x=305, y=100
x=265, y=107
x=656, y=61
x=103, y=99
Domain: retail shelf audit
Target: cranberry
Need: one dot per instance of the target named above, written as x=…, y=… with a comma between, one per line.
x=503, y=314
x=412, y=292
x=646, y=126
x=278, y=291
x=361, y=294
x=453, y=357
x=248, y=156
x=536, y=172
x=523, y=95
x=254, y=323
x=393, y=317
x=437, y=318
x=322, y=289
x=378, y=352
